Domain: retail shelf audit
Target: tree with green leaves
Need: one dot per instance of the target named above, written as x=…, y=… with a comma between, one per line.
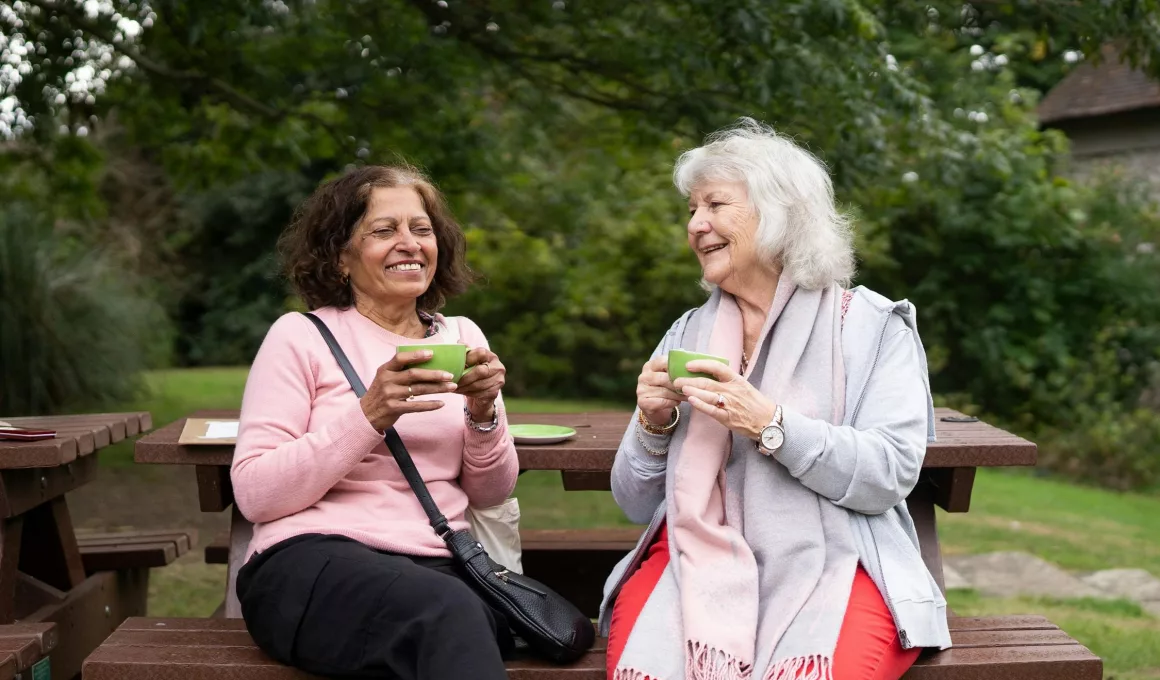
x=552, y=125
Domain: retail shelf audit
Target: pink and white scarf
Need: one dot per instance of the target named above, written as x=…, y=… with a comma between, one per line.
x=761, y=566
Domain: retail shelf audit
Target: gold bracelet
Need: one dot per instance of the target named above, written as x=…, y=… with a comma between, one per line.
x=648, y=449
x=654, y=429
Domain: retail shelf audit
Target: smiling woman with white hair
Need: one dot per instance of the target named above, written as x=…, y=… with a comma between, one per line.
x=779, y=544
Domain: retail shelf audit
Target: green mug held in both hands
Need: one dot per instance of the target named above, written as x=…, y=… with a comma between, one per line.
x=444, y=357
x=678, y=358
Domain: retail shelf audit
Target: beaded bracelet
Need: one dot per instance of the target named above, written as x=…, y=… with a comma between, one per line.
x=648, y=449
x=481, y=427
x=654, y=429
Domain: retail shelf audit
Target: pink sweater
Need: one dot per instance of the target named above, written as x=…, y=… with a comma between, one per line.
x=308, y=461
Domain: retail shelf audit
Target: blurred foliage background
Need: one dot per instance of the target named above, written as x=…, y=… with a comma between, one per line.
x=151, y=152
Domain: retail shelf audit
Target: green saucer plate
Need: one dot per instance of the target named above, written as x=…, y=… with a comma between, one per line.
x=541, y=434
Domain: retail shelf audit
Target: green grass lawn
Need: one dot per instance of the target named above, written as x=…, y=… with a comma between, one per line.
x=1079, y=528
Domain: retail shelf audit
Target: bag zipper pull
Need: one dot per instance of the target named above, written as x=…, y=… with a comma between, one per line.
x=503, y=576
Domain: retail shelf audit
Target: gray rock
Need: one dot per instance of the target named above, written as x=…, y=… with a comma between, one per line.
x=1010, y=574
x=1136, y=585
x=952, y=578
x=1130, y=584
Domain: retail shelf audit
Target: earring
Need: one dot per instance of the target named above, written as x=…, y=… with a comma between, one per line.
x=345, y=279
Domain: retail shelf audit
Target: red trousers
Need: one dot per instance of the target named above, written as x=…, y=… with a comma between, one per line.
x=868, y=646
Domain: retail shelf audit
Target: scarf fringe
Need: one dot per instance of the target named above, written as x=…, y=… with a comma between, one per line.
x=704, y=662
x=812, y=667
x=631, y=674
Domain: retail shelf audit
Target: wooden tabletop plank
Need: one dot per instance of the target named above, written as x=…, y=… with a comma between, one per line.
x=598, y=435
x=44, y=453
x=76, y=435
x=135, y=422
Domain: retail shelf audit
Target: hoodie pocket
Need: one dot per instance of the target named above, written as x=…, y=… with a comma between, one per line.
x=903, y=570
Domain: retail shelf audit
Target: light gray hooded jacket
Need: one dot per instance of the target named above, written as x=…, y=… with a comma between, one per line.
x=868, y=465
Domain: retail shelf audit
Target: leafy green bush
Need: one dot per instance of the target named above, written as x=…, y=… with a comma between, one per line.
x=584, y=263
x=1037, y=296
x=231, y=290
x=74, y=333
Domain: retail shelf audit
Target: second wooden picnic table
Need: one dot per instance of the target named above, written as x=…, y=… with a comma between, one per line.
x=585, y=463
x=43, y=574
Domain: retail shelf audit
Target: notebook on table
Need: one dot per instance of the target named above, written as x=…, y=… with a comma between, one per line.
x=10, y=432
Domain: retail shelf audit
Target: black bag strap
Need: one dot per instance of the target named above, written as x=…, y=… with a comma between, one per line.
x=394, y=442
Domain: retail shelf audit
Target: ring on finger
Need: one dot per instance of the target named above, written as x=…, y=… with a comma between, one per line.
x=720, y=401
x=410, y=393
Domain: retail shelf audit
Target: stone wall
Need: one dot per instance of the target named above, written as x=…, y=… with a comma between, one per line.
x=1129, y=141
x=1144, y=164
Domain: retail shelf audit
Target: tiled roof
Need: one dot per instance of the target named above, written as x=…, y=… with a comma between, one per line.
x=1110, y=87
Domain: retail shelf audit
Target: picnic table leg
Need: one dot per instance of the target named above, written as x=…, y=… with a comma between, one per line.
x=85, y=615
x=51, y=552
x=54, y=588
x=240, y=532
x=921, y=506
x=10, y=534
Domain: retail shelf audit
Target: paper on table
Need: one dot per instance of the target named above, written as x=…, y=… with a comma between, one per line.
x=208, y=432
x=221, y=429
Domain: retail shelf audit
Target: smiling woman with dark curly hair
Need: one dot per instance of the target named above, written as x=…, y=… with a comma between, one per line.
x=344, y=576
x=313, y=247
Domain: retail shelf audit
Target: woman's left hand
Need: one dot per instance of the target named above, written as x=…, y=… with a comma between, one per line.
x=729, y=398
x=481, y=383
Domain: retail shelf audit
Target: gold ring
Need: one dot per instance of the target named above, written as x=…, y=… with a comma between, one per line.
x=720, y=401
x=410, y=393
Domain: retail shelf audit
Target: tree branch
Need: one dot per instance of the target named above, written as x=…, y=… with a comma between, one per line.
x=470, y=34
x=79, y=20
x=238, y=98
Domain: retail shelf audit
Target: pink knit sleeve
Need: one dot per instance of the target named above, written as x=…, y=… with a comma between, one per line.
x=279, y=467
x=490, y=465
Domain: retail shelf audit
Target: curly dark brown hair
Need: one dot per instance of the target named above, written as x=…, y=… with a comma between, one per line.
x=323, y=225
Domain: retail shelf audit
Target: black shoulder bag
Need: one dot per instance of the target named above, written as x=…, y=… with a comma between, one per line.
x=551, y=626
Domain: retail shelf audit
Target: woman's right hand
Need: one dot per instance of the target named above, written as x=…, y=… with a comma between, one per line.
x=387, y=397
x=655, y=394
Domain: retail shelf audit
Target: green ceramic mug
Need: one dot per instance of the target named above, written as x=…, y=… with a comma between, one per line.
x=678, y=358
x=444, y=357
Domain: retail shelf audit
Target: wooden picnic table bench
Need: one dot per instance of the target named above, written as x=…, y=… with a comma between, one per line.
x=25, y=649
x=991, y=648
x=576, y=562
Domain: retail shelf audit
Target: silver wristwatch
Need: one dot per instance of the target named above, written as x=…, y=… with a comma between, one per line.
x=772, y=435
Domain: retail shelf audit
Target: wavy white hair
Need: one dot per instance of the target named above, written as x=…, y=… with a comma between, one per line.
x=814, y=245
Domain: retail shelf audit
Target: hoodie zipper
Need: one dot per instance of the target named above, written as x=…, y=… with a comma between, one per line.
x=902, y=636
x=637, y=558
x=874, y=365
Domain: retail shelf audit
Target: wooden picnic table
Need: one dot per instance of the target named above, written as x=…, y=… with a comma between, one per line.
x=585, y=463
x=42, y=573
x=575, y=562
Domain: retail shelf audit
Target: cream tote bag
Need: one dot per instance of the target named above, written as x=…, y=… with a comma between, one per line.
x=497, y=527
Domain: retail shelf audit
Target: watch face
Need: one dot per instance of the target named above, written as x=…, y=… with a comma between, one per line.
x=772, y=438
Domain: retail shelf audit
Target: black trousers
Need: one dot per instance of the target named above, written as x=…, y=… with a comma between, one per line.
x=332, y=606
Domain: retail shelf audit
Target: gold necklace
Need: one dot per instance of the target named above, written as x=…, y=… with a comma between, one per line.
x=744, y=361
